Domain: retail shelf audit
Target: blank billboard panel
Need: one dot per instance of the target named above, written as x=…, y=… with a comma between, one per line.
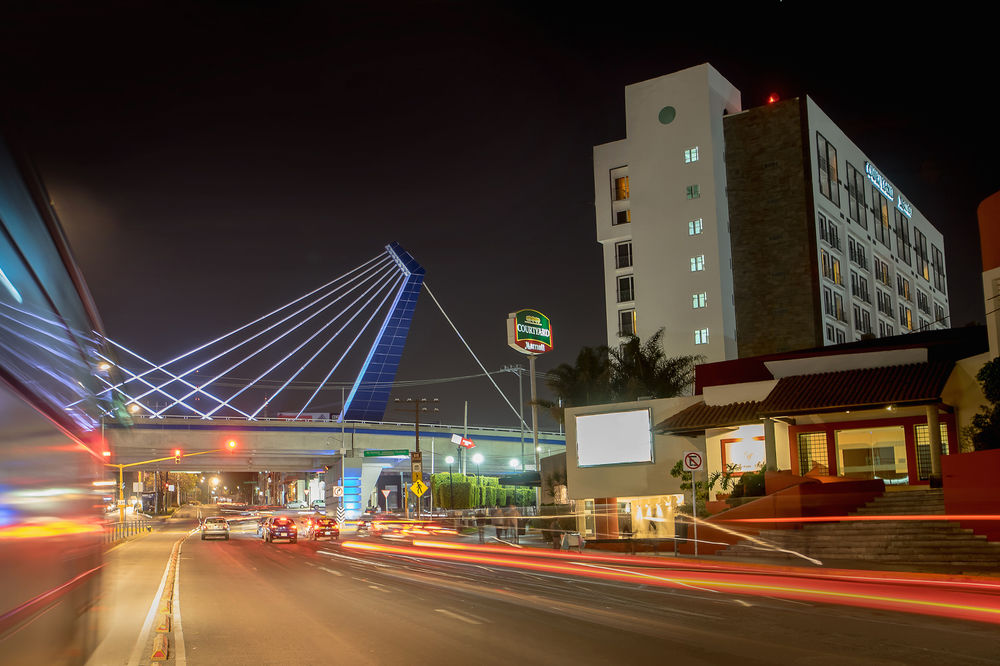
x=614, y=439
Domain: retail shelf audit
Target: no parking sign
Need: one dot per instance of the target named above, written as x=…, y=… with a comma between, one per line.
x=693, y=461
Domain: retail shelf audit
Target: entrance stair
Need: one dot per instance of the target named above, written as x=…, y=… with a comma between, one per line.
x=910, y=542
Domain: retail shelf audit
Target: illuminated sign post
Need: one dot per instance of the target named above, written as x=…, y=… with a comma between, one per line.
x=530, y=332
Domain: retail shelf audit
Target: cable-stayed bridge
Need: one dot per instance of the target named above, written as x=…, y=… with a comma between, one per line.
x=345, y=336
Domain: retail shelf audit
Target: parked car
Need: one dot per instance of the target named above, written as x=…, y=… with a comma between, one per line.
x=297, y=505
x=318, y=505
x=321, y=527
x=279, y=527
x=215, y=527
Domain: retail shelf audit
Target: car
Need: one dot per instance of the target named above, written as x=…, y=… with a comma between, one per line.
x=279, y=527
x=215, y=527
x=318, y=504
x=296, y=505
x=321, y=527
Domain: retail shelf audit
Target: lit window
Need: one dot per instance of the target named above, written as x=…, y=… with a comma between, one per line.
x=698, y=300
x=691, y=155
x=826, y=158
x=695, y=227
x=701, y=336
x=626, y=323
x=698, y=263
x=621, y=188
x=692, y=191
x=623, y=254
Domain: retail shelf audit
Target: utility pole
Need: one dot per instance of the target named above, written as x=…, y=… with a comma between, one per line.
x=416, y=458
x=519, y=370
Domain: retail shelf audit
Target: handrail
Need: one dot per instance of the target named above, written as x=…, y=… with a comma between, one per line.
x=119, y=531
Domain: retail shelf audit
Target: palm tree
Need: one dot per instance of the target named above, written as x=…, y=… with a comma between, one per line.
x=641, y=369
x=635, y=370
x=587, y=382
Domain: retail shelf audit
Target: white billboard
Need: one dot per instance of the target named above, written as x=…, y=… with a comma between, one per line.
x=615, y=438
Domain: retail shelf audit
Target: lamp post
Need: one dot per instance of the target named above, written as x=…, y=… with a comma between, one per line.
x=451, y=480
x=416, y=460
x=478, y=459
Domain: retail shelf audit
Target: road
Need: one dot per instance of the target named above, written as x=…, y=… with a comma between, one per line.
x=243, y=601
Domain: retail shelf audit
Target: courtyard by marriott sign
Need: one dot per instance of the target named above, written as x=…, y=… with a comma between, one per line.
x=529, y=332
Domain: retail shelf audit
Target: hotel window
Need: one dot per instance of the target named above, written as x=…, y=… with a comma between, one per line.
x=699, y=300
x=862, y=320
x=623, y=254
x=828, y=231
x=829, y=333
x=692, y=191
x=923, y=441
x=620, y=188
x=698, y=263
x=902, y=236
x=923, y=303
x=939, y=315
x=626, y=288
x=884, y=302
x=626, y=323
x=831, y=267
x=695, y=227
x=856, y=196
x=906, y=317
x=882, y=273
x=827, y=159
x=881, y=207
x=903, y=287
x=701, y=336
x=833, y=304
x=813, y=454
x=938, y=269
x=838, y=306
x=859, y=287
x=691, y=155
x=841, y=338
x=920, y=244
x=857, y=252
x=884, y=330
x=623, y=216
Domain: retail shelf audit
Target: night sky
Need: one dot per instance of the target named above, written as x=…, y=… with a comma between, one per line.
x=212, y=161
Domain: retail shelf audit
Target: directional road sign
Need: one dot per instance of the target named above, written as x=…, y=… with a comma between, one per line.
x=418, y=488
x=337, y=491
x=386, y=453
x=463, y=442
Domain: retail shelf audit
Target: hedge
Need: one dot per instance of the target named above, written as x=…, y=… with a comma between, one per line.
x=473, y=491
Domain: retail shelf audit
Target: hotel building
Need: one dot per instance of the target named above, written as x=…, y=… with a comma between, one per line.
x=758, y=231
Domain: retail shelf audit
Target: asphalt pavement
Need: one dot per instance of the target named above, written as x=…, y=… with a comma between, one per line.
x=243, y=601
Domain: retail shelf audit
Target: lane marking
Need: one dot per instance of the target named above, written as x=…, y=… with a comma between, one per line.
x=456, y=616
x=376, y=587
x=335, y=573
x=743, y=603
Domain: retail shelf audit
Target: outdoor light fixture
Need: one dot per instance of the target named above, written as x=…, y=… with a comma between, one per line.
x=450, y=460
x=514, y=462
x=478, y=458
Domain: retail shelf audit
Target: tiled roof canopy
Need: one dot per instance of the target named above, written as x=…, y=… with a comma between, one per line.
x=914, y=384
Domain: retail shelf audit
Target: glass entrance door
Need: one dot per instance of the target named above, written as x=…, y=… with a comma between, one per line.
x=872, y=453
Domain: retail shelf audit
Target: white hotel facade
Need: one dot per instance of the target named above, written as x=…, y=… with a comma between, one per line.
x=748, y=232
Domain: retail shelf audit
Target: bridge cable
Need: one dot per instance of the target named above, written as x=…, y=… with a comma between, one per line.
x=357, y=311
x=260, y=319
x=387, y=268
x=454, y=328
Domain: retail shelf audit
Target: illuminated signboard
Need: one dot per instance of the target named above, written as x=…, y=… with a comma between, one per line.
x=529, y=332
x=905, y=208
x=879, y=181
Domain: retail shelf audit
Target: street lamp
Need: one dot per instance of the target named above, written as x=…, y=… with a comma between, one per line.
x=478, y=459
x=451, y=479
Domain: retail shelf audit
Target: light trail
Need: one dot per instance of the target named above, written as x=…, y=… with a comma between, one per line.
x=864, y=518
x=893, y=595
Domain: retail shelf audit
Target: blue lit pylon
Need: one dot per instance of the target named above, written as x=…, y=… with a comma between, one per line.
x=370, y=392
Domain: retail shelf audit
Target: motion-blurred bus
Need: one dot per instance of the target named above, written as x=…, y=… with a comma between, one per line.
x=50, y=434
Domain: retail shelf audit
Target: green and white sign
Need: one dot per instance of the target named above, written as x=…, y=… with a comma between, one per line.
x=529, y=332
x=386, y=453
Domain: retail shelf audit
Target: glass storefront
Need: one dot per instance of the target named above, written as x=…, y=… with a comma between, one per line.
x=873, y=453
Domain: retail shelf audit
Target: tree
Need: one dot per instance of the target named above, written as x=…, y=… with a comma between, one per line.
x=640, y=369
x=635, y=370
x=984, y=432
x=587, y=382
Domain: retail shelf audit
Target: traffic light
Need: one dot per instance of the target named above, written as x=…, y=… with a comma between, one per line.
x=231, y=444
x=177, y=456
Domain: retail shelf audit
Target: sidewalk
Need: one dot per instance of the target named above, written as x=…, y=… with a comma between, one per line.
x=133, y=572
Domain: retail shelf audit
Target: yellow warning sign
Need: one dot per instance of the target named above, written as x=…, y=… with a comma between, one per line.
x=418, y=488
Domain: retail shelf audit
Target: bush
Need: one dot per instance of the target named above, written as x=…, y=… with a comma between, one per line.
x=751, y=484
